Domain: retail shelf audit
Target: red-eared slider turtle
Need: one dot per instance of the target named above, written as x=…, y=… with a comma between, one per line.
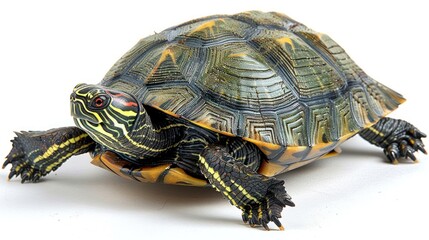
x=228, y=101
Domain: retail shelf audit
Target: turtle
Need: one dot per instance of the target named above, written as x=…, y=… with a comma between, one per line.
x=227, y=101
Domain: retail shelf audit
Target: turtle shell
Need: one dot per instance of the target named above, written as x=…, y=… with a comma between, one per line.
x=264, y=77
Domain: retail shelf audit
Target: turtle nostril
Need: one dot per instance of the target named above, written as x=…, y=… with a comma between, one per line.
x=72, y=96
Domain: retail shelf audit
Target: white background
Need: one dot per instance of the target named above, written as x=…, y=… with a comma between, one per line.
x=46, y=47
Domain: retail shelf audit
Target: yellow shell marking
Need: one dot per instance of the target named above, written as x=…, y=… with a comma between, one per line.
x=239, y=55
x=287, y=161
x=207, y=25
x=178, y=175
x=167, y=111
x=299, y=164
x=270, y=169
x=166, y=53
x=112, y=162
x=287, y=40
x=319, y=35
x=265, y=147
x=335, y=152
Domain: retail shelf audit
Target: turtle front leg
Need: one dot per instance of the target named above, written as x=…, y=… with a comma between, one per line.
x=261, y=198
x=398, y=138
x=36, y=153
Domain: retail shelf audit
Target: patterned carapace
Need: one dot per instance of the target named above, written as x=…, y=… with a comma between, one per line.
x=264, y=77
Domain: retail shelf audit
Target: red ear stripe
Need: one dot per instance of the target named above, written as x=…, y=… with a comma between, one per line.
x=130, y=104
x=114, y=94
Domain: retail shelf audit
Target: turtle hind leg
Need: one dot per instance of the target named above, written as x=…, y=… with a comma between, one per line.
x=260, y=198
x=398, y=138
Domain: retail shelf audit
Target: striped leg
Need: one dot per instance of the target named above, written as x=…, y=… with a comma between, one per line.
x=35, y=154
x=261, y=198
x=397, y=137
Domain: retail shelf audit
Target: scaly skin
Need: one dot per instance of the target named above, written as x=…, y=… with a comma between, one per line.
x=36, y=153
x=398, y=138
x=261, y=198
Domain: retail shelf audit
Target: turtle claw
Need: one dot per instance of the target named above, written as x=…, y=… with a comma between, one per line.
x=245, y=217
x=21, y=158
x=406, y=145
x=416, y=133
x=398, y=138
x=278, y=223
x=11, y=174
x=22, y=168
x=7, y=162
x=268, y=209
x=264, y=224
x=24, y=178
x=421, y=149
x=34, y=154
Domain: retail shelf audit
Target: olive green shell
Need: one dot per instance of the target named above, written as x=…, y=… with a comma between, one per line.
x=264, y=77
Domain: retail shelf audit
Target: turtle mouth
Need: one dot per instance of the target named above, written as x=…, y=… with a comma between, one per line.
x=77, y=111
x=85, y=125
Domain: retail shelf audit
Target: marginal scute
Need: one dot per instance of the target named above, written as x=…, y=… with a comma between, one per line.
x=178, y=176
x=381, y=98
x=293, y=121
x=390, y=99
x=321, y=127
x=319, y=150
x=263, y=128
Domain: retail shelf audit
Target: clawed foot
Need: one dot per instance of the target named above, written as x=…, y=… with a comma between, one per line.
x=269, y=208
x=21, y=158
x=260, y=198
x=406, y=145
x=35, y=154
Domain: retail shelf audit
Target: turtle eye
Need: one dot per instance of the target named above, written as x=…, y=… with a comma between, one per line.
x=99, y=102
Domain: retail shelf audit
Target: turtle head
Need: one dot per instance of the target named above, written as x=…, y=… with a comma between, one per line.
x=107, y=115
